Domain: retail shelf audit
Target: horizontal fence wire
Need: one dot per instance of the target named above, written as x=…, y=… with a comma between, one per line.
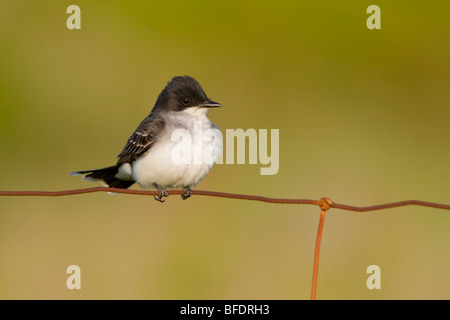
x=323, y=203
x=227, y=195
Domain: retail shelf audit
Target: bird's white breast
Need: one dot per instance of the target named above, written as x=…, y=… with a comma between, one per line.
x=183, y=154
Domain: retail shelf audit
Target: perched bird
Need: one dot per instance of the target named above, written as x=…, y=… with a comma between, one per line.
x=154, y=156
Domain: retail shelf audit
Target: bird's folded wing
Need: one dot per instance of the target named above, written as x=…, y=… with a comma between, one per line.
x=142, y=139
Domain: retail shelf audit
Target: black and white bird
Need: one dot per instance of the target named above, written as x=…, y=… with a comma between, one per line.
x=155, y=157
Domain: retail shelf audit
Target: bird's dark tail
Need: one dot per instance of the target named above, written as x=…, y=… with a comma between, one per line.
x=107, y=175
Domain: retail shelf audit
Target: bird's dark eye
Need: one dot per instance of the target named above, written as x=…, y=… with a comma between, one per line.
x=186, y=101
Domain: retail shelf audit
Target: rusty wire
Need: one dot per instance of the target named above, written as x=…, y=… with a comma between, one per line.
x=324, y=204
x=227, y=195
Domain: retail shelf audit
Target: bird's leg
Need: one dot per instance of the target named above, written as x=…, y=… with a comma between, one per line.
x=187, y=192
x=162, y=193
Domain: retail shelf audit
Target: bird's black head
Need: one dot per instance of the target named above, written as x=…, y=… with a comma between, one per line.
x=182, y=93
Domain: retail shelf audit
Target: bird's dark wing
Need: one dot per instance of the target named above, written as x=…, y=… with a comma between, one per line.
x=142, y=139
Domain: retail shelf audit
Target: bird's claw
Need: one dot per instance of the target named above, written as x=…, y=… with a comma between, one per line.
x=162, y=193
x=187, y=193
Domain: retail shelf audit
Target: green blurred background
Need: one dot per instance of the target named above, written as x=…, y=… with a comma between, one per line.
x=363, y=118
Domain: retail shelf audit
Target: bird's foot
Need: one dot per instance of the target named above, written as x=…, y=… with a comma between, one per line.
x=187, y=193
x=162, y=193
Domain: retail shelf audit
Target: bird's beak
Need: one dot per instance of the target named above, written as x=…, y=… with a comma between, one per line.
x=209, y=104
